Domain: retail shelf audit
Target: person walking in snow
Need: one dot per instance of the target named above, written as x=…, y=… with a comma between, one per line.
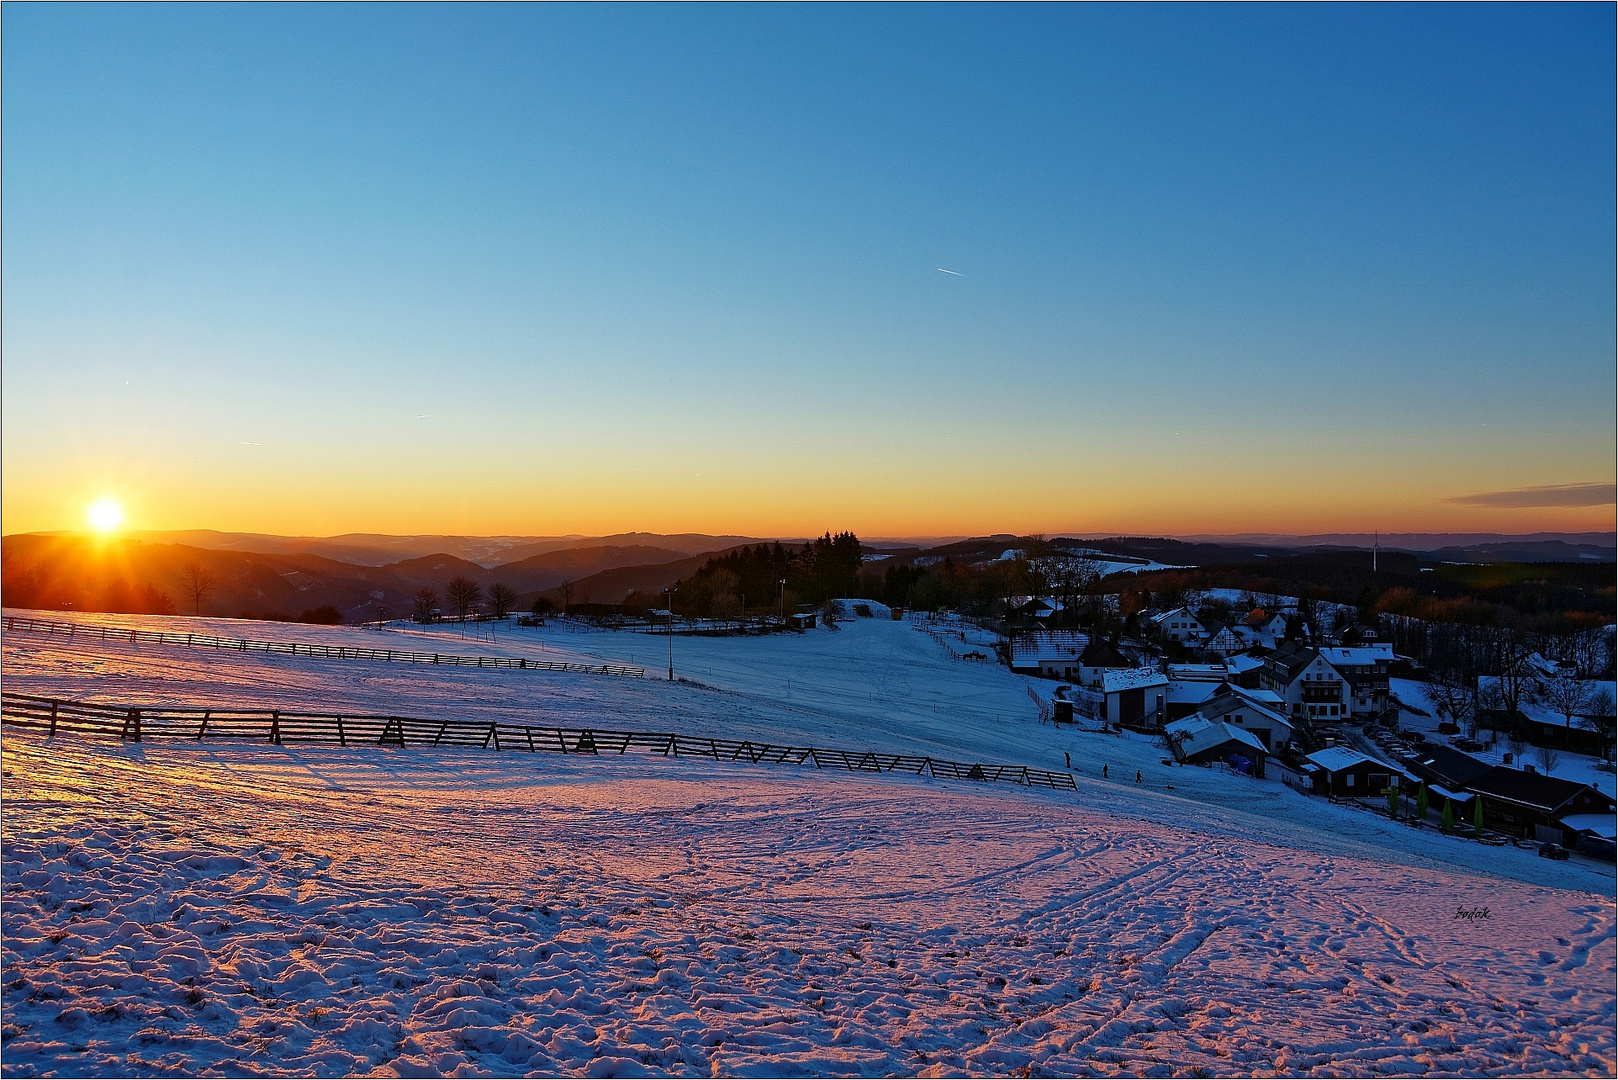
x=1069, y=758
x=1103, y=772
x=1137, y=776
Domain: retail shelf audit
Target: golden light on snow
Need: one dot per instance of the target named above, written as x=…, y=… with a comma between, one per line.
x=105, y=515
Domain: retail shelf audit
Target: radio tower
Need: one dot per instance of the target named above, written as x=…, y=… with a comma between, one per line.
x=1376, y=540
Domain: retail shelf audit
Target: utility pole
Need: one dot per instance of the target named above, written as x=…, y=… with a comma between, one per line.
x=670, y=594
x=783, y=601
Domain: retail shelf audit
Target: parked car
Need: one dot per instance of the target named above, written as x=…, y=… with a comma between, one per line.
x=1553, y=851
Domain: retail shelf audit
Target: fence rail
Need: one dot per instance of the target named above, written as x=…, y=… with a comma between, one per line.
x=93, y=632
x=135, y=723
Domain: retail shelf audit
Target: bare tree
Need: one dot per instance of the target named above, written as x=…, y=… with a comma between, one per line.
x=502, y=598
x=1568, y=695
x=1516, y=682
x=1452, y=701
x=565, y=591
x=1548, y=757
x=1517, y=739
x=463, y=594
x=1599, y=719
x=426, y=604
x=198, y=582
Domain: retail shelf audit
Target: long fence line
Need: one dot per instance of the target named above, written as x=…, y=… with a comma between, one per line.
x=134, y=723
x=90, y=632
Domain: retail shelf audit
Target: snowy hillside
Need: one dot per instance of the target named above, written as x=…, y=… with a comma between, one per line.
x=196, y=909
x=218, y=907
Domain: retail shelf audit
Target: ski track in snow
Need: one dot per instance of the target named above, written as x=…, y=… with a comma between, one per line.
x=224, y=909
x=196, y=910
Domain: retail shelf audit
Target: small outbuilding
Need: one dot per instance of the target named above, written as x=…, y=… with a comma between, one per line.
x=1348, y=774
x=1198, y=741
x=1134, y=697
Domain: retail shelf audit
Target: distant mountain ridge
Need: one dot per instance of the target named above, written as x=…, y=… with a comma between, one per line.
x=379, y=549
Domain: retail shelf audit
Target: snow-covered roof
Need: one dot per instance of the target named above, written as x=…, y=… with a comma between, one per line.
x=1242, y=663
x=1177, y=612
x=1356, y=656
x=1040, y=646
x=1205, y=735
x=1335, y=758
x=1605, y=825
x=1116, y=679
x=1230, y=698
x=1204, y=672
x=1190, y=691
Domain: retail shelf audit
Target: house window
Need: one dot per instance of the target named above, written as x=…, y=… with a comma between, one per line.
x=1348, y=781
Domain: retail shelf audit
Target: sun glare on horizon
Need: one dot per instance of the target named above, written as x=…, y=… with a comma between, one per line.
x=105, y=515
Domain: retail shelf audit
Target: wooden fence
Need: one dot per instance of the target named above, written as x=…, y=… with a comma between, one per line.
x=96, y=632
x=135, y=723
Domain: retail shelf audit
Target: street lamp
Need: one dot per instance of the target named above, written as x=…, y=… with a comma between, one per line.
x=670, y=594
x=783, y=601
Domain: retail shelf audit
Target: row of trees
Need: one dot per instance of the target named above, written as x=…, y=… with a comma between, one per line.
x=464, y=597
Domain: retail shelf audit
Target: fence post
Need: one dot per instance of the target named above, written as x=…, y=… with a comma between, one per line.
x=54, y=705
x=132, y=726
x=203, y=728
x=342, y=739
x=275, y=727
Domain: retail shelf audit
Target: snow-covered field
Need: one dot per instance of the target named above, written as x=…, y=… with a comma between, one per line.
x=192, y=909
x=244, y=909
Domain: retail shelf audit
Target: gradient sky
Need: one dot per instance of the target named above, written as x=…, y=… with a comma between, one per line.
x=314, y=269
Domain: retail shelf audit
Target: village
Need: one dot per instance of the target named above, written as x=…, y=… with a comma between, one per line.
x=1336, y=712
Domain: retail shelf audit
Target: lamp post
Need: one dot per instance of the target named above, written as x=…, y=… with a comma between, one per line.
x=783, y=601
x=670, y=594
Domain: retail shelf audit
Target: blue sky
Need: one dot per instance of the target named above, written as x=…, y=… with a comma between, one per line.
x=550, y=269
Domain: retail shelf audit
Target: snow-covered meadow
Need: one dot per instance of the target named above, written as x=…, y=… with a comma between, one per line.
x=206, y=907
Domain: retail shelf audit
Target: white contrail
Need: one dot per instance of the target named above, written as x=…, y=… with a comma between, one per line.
x=941, y=270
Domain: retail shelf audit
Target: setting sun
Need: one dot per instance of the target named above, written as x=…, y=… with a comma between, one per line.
x=105, y=515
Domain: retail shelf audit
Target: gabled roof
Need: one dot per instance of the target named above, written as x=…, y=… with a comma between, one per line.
x=1447, y=767
x=1194, y=735
x=1190, y=691
x=1116, y=679
x=1227, y=699
x=1533, y=790
x=1335, y=655
x=1242, y=663
x=1337, y=758
x=1101, y=654
x=1036, y=646
x=1291, y=657
x=1187, y=612
x=1601, y=824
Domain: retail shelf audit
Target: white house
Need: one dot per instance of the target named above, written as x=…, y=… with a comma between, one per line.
x=1225, y=641
x=1136, y=696
x=1180, y=625
x=1306, y=682
x=1098, y=658
x=1260, y=712
x=1053, y=654
x=1365, y=670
